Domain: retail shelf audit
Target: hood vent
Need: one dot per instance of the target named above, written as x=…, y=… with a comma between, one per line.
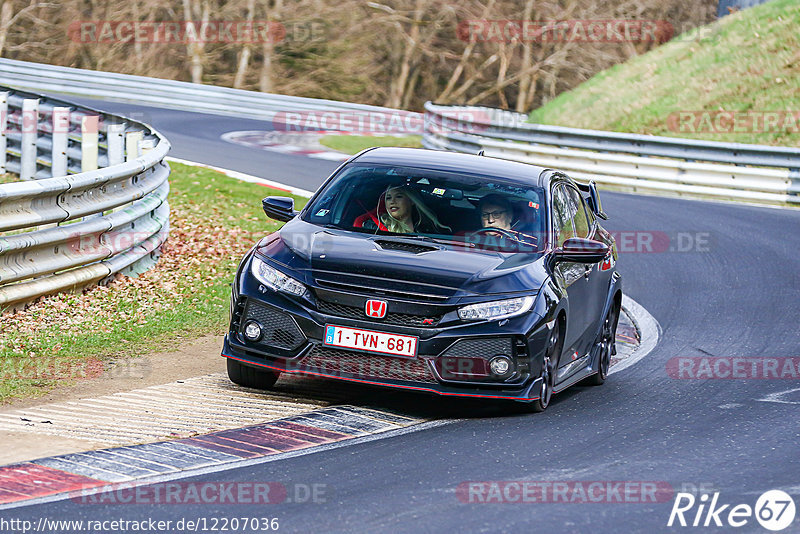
x=404, y=246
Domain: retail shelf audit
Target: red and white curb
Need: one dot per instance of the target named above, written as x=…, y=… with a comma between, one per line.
x=300, y=143
x=204, y=414
x=69, y=474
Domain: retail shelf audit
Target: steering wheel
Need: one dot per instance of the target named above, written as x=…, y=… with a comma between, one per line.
x=501, y=231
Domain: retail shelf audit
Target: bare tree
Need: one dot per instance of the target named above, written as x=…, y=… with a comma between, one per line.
x=194, y=11
x=244, y=56
x=399, y=53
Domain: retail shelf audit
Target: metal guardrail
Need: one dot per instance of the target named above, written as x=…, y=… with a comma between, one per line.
x=91, y=200
x=169, y=94
x=664, y=165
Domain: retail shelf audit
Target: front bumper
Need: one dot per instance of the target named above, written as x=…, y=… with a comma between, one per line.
x=452, y=357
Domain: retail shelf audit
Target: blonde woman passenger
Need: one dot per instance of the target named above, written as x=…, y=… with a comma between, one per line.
x=401, y=210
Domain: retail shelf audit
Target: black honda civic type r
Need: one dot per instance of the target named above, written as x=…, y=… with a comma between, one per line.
x=439, y=272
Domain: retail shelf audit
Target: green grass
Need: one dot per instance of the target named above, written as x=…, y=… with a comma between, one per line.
x=214, y=220
x=353, y=144
x=748, y=61
x=7, y=178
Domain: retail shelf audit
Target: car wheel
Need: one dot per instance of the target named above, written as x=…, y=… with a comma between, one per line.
x=251, y=377
x=605, y=346
x=548, y=374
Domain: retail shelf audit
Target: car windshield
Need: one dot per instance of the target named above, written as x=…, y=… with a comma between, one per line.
x=464, y=209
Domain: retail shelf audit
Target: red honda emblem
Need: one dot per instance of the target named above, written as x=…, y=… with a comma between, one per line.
x=376, y=309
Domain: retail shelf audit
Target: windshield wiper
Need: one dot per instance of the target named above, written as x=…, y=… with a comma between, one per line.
x=441, y=240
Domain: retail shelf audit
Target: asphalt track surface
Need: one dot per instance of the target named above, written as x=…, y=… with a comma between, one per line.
x=736, y=296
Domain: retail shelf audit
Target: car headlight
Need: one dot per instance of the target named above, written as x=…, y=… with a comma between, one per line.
x=276, y=280
x=497, y=309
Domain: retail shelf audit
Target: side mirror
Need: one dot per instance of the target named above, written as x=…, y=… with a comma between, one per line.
x=581, y=250
x=279, y=208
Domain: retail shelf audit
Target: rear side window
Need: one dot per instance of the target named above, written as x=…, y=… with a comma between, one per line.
x=562, y=215
x=578, y=209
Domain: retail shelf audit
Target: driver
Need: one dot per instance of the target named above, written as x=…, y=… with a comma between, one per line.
x=496, y=211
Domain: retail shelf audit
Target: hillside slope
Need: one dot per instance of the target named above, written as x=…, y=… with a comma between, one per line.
x=723, y=83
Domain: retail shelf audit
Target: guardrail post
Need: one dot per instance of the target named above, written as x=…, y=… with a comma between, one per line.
x=146, y=145
x=3, y=129
x=132, y=145
x=60, y=138
x=89, y=142
x=794, y=187
x=29, y=124
x=116, y=148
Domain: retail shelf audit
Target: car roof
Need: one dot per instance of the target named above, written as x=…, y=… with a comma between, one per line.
x=523, y=173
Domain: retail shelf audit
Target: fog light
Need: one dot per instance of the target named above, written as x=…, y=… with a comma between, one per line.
x=500, y=365
x=252, y=331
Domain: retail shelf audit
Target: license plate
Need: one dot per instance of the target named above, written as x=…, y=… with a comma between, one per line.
x=370, y=341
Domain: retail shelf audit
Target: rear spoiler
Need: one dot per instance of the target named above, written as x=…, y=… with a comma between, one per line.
x=594, y=198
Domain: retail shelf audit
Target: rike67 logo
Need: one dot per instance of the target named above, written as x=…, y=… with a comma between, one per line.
x=774, y=510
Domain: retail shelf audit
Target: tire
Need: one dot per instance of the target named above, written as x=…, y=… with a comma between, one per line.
x=250, y=377
x=548, y=374
x=605, y=344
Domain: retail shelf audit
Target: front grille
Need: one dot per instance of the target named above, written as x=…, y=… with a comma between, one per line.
x=401, y=319
x=344, y=362
x=479, y=348
x=389, y=288
x=278, y=329
x=404, y=246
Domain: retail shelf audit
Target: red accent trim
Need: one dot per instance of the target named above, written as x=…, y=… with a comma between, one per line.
x=359, y=380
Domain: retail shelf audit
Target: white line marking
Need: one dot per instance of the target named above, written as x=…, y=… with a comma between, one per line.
x=247, y=178
x=776, y=397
